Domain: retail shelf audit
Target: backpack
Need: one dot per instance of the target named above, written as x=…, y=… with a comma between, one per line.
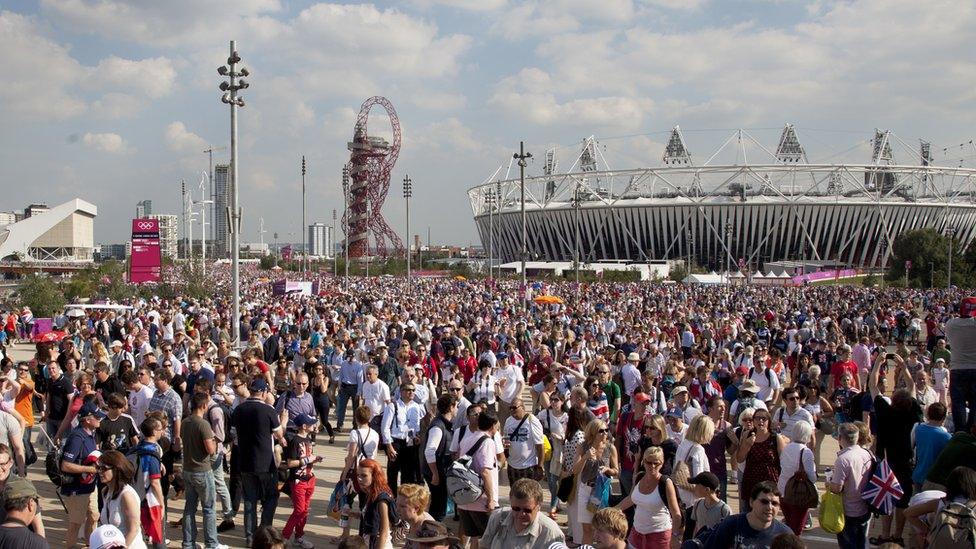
x=745, y=403
x=464, y=485
x=800, y=490
x=224, y=409
x=769, y=374
x=52, y=467
x=954, y=526
x=135, y=458
x=442, y=457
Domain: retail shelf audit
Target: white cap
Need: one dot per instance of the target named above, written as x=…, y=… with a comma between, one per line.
x=106, y=537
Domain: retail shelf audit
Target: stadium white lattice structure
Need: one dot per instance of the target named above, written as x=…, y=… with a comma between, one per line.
x=780, y=208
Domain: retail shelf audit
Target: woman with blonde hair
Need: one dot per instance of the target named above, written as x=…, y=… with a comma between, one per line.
x=594, y=457
x=658, y=509
x=412, y=502
x=691, y=456
x=99, y=353
x=655, y=433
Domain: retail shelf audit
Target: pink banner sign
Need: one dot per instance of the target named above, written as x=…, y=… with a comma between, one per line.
x=824, y=275
x=146, y=260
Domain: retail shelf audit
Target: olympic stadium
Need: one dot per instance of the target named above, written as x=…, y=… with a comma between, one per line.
x=775, y=206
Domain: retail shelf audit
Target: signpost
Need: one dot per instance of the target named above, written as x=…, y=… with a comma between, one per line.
x=145, y=262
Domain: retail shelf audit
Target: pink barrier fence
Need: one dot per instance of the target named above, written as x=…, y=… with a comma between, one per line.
x=824, y=275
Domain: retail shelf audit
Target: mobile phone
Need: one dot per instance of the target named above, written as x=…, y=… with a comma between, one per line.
x=891, y=356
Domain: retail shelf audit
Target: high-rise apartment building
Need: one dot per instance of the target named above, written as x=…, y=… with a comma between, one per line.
x=169, y=234
x=320, y=240
x=143, y=209
x=222, y=190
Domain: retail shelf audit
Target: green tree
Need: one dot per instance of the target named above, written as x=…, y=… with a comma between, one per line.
x=928, y=252
x=42, y=295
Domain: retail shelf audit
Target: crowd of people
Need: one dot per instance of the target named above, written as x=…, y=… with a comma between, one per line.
x=630, y=412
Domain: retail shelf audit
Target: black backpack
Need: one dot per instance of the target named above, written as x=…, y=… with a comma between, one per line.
x=52, y=467
x=225, y=411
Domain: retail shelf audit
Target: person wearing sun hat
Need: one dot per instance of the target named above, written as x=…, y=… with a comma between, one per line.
x=630, y=375
x=432, y=535
x=961, y=336
x=21, y=506
x=106, y=536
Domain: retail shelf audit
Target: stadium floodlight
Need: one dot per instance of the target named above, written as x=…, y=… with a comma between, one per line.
x=244, y=71
x=222, y=70
x=521, y=156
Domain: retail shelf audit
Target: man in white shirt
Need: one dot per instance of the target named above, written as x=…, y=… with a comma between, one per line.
x=437, y=455
x=766, y=380
x=682, y=401
x=522, y=435
x=788, y=415
x=139, y=384
x=631, y=375
x=510, y=385
x=119, y=354
x=401, y=436
x=375, y=394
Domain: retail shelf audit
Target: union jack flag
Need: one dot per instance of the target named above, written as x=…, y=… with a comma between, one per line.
x=883, y=489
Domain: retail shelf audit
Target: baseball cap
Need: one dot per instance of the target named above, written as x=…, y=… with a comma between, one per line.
x=673, y=412
x=968, y=307
x=641, y=397
x=501, y=356
x=432, y=532
x=106, y=536
x=304, y=419
x=742, y=371
x=258, y=385
x=18, y=487
x=678, y=390
x=706, y=479
x=942, y=360
x=633, y=357
x=116, y=343
x=91, y=409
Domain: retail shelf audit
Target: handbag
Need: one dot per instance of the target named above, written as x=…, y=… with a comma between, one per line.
x=800, y=490
x=831, y=513
x=334, y=508
x=600, y=496
x=681, y=474
x=30, y=455
x=565, y=488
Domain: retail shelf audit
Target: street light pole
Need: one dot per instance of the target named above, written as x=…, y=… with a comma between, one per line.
x=490, y=202
x=230, y=97
x=407, y=193
x=728, y=252
x=498, y=214
x=277, y=250
x=304, y=226
x=345, y=217
x=335, y=256
x=952, y=234
x=368, y=212
x=576, y=234
x=204, y=204
x=521, y=156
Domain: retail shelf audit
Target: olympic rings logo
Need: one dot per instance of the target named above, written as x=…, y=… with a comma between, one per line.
x=145, y=225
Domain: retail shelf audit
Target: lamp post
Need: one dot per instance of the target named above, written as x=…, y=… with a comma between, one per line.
x=690, y=243
x=345, y=217
x=884, y=260
x=728, y=252
x=230, y=88
x=304, y=226
x=576, y=234
x=335, y=256
x=522, y=156
x=490, y=201
x=369, y=206
x=407, y=193
x=277, y=250
x=952, y=234
x=498, y=214
x=931, y=274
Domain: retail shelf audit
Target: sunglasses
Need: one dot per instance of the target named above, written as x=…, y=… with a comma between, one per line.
x=769, y=502
x=526, y=510
x=760, y=418
x=102, y=468
x=604, y=431
x=455, y=389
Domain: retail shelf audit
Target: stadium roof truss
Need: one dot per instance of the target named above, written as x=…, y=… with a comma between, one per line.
x=711, y=198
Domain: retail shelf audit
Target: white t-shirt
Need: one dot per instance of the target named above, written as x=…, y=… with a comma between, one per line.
x=484, y=458
x=555, y=424
x=522, y=452
x=789, y=420
x=677, y=437
x=370, y=442
x=693, y=455
x=139, y=404
x=375, y=395
x=767, y=380
x=484, y=388
x=512, y=377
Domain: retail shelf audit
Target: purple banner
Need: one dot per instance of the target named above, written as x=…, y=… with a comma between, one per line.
x=824, y=275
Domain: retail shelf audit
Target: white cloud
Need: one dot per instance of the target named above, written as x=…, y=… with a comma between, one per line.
x=179, y=139
x=534, y=19
x=106, y=142
x=154, y=77
x=449, y=134
x=464, y=5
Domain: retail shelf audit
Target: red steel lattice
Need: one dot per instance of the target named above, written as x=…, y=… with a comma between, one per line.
x=371, y=162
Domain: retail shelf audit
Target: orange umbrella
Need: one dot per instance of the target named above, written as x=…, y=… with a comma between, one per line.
x=547, y=299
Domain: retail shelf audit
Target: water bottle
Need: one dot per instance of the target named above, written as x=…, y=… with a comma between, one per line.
x=344, y=516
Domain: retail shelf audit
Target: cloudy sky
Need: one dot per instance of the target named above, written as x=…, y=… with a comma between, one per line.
x=114, y=101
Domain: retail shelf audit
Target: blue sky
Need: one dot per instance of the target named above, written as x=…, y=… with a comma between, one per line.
x=114, y=101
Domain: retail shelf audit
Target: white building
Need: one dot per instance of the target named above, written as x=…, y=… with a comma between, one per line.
x=320, y=240
x=64, y=233
x=169, y=234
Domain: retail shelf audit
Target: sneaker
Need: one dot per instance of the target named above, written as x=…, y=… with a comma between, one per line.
x=303, y=543
x=809, y=524
x=226, y=525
